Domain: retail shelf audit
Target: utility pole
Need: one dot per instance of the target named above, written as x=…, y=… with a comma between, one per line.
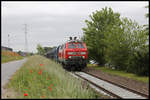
x=8, y=40
x=26, y=43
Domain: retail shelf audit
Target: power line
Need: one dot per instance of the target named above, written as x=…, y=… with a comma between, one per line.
x=26, y=42
x=8, y=41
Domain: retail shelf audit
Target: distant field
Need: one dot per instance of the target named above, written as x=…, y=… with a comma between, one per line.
x=121, y=73
x=40, y=77
x=7, y=56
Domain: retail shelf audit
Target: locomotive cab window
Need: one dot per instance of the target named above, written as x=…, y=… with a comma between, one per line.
x=80, y=45
x=75, y=45
x=71, y=45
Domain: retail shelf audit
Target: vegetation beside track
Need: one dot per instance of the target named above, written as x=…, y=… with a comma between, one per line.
x=144, y=79
x=40, y=77
x=9, y=56
x=117, y=41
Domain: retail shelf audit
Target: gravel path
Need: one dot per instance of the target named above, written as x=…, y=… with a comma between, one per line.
x=8, y=69
x=132, y=84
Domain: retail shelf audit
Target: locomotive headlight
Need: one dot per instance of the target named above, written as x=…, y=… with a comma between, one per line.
x=83, y=53
x=83, y=57
x=69, y=56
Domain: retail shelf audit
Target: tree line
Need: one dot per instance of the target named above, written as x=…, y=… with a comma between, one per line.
x=43, y=50
x=117, y=42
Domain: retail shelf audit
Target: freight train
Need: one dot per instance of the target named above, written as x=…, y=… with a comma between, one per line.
x=72, y=54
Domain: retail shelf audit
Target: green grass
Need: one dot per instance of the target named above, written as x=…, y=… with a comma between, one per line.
x=63, y=85
x=121, y=73
x=7, y=57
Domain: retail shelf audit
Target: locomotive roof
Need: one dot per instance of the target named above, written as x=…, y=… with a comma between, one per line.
x=74, y=41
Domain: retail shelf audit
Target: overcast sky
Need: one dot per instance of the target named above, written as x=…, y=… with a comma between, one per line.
x=51, y=23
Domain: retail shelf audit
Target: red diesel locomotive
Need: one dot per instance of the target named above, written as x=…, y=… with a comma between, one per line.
x=72, y=54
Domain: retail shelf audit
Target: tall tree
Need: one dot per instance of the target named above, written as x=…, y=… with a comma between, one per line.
x=138, y=60
x=124, y=43
x=121, y=43
x=102, y=23
x=147, y=14
x=40, y=50
x=146, y=26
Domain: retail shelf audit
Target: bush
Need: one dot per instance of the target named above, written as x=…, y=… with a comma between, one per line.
x=139, y=62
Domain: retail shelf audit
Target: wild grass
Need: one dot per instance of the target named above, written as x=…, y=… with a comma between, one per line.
x=9, y=56
x=53, y=82
x=121, y=73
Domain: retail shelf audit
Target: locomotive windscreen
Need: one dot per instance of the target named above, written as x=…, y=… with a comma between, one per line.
x=75, y=45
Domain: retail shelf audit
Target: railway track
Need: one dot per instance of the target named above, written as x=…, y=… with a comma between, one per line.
x=129, y=89
x=110, y=88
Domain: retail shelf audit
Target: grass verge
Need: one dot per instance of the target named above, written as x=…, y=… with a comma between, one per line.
x=121, y=73
x=9, y=56
x=40, y=77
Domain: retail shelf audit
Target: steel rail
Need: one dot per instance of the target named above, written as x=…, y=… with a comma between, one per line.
x=129, y=89
x=101, y=88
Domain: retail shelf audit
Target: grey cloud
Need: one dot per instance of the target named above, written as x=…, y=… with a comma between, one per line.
x=50, y=24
